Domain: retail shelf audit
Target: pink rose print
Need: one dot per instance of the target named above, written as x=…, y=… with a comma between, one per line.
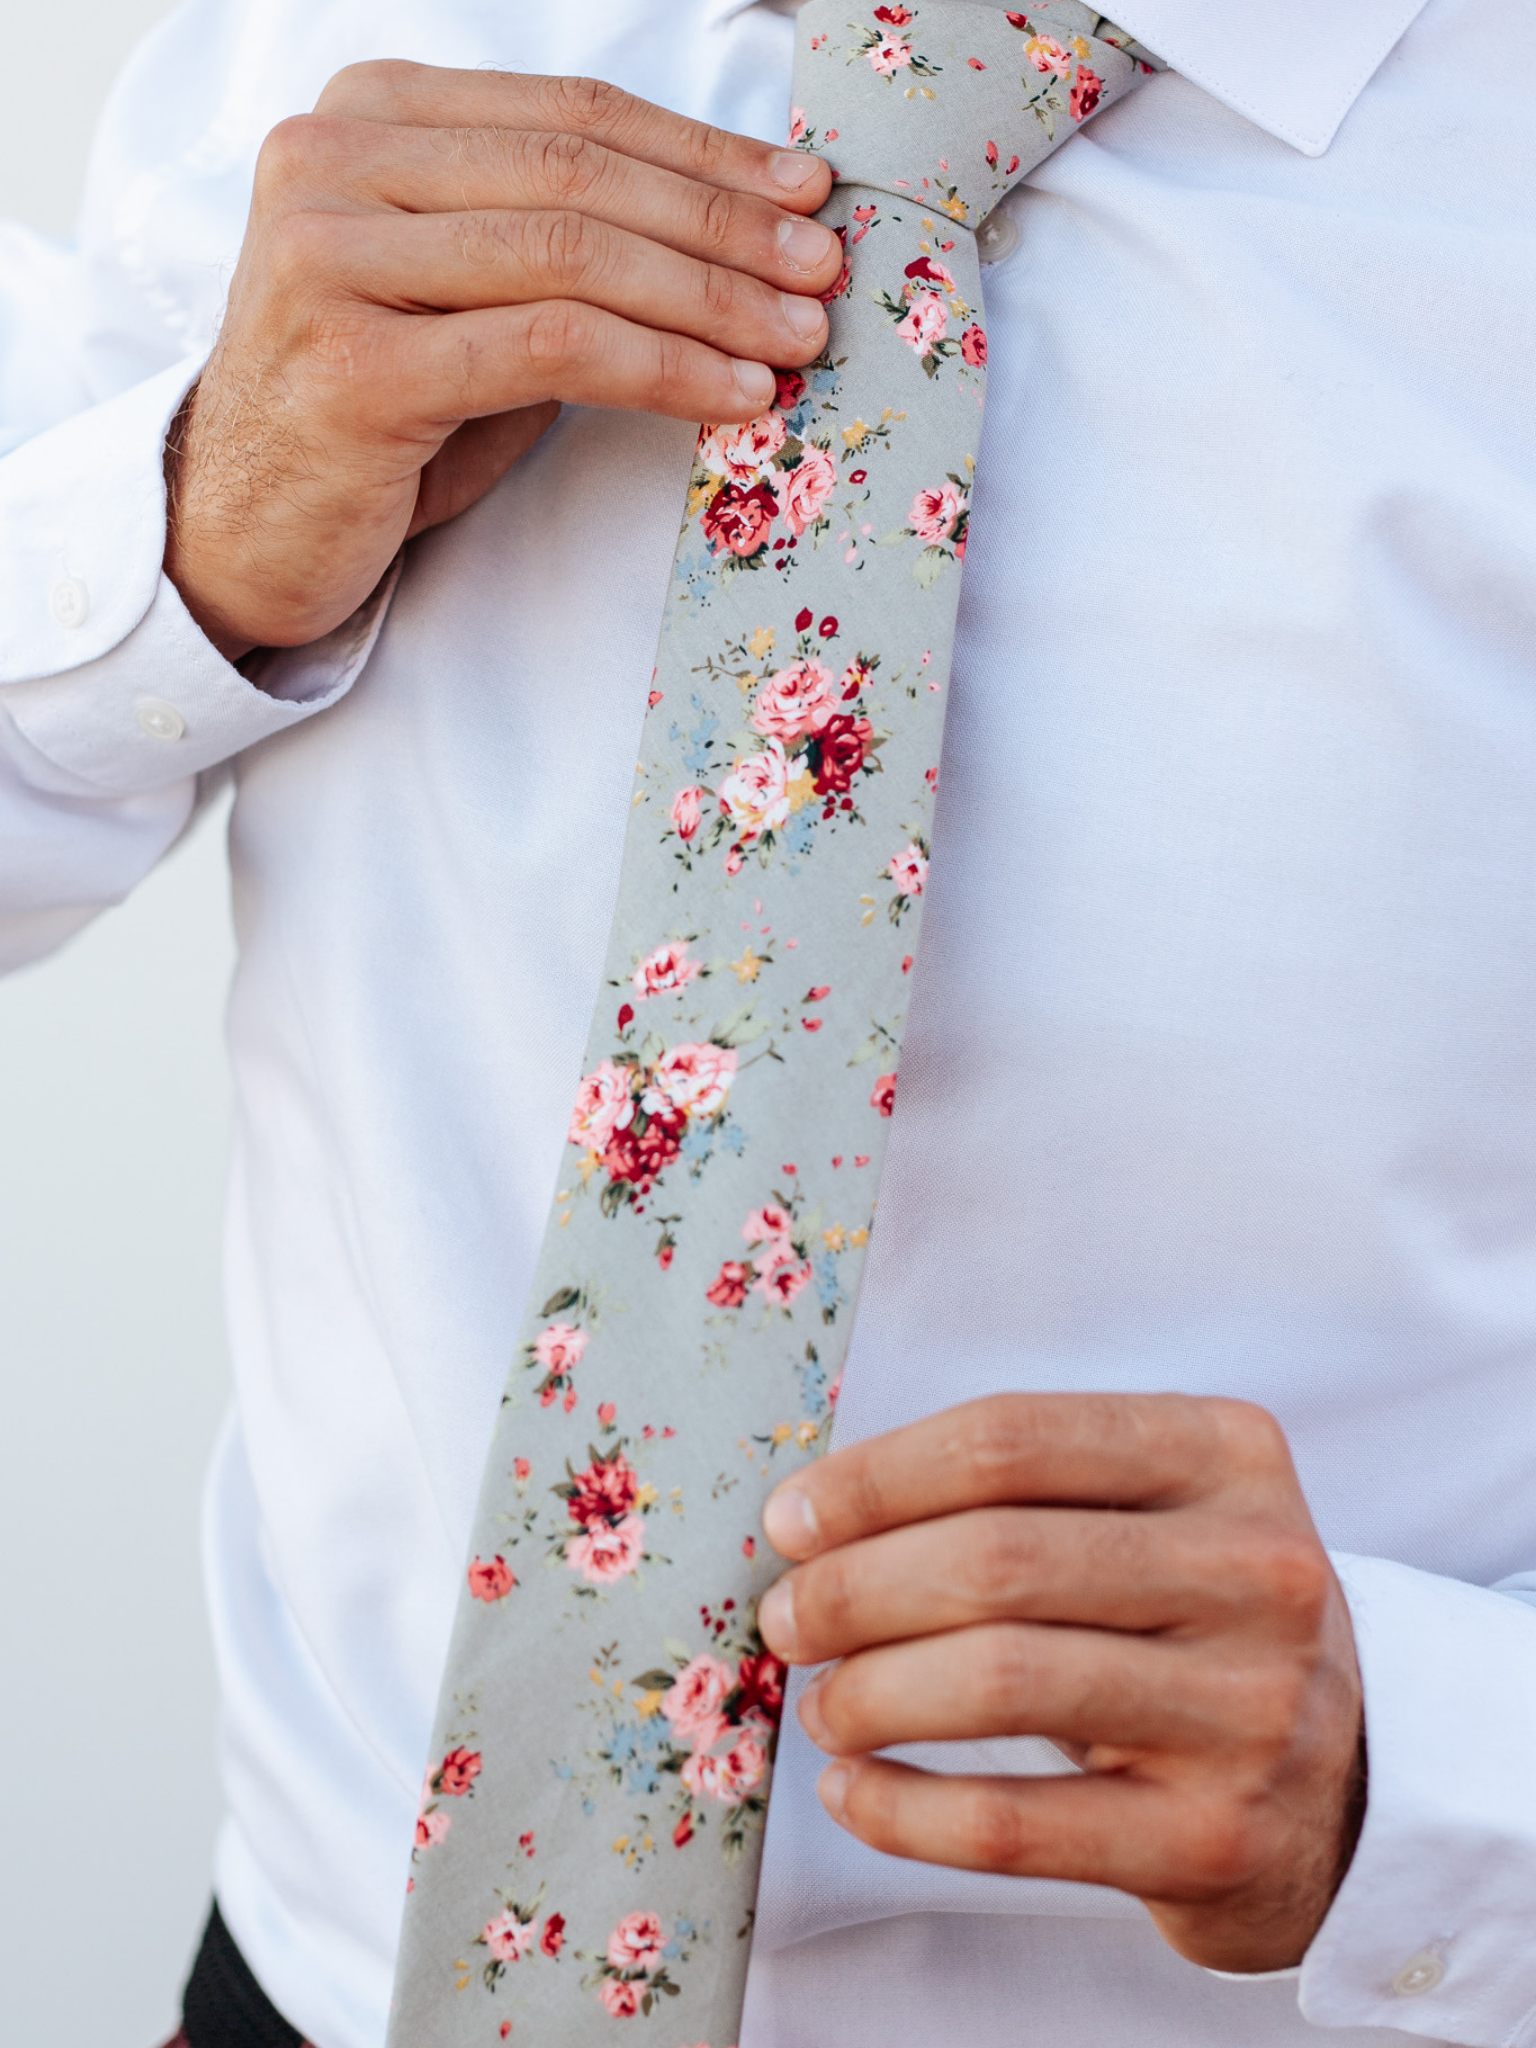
x=883, y=1095
x=890, y=54
x=694, y=1700
x=1046, y=54
x=687, y=812
x=666, y=969
x=521, y=1468
x=857, y=678
x=926, y=271
x=781, y=1282
x=765, y=1224
x=909, y=870
x=604, y=1105
x=622, y=1999
x=742, y=455
x=508, y=1938
x=693, y=1078
x=636, y=1943
x=737, y=522
x=794, y=700
x=755, y=795
x=746, y=1766
x=797, y=129
x=490, y=1579
x=560, y=1347
x=934, y=513
x=457, y=1772
x=925, y=324
x=973, y=347
x=603, y=1555
x=804, y=489
x=432, y=1828
x=729, y=1288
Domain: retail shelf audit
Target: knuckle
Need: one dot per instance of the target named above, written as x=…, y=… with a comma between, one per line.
x=719, y=292
x=826, y=1597
x=716, y=225
x=1249, y=1433
x=674, y=364
x=995, y=1829
x=585, y=103
x=1222, y=1847
x=1291, y=1576
x=566, y=164
x=301, y=253
x=843, y=1706
x=556, y=332
x=1002, y=1675
x=999, y=1557
x=710, y=148
x=289, y=152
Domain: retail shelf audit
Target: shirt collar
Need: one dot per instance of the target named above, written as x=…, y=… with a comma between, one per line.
x=1292, y=67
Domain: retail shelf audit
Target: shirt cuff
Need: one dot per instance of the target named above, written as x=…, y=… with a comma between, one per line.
x=103, y=670
x=1431, y=1930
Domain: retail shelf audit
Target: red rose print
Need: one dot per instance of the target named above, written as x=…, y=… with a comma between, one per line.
x=521, y=1469
x=789, y=389
x=845, y=275
x=682, y=1834
x=992, y=154
x=802, y=621
x=457, y=1772
x=729, y=1288
x=894, y=17
x=552, y=1940
x=626, y=1016
x=640, y=1156
x=762, y=1685
x=605, y=1492
x=736, y=522
x=973, y=346
x=1085, y=94
x=841, y=748
x=490, y=1579
x=883, y=1095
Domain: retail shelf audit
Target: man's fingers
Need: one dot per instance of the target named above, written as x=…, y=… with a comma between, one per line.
x=421, y=95
x=455, y=262
x=464, y=365
x=317, y=160
x=1089, y=1450
x=1081, y=1686
x=1158, y=1842
x=1104, y=1569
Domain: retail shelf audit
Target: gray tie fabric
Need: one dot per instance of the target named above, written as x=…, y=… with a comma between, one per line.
x=591, y=1821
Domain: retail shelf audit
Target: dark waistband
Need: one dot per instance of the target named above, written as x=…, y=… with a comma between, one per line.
x=223, y=2006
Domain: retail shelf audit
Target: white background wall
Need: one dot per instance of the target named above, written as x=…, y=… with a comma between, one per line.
x=113, y=1122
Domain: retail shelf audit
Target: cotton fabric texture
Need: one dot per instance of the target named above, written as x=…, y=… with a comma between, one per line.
x=1217, y=1070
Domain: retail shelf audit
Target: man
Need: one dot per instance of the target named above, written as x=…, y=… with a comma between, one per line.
x=1217, y=1078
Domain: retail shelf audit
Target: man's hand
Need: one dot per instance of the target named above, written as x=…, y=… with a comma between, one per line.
x=1136, y=1578
x=434, y=261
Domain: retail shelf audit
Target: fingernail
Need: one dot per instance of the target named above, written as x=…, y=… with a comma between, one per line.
x=832, y=1788
x=756, y=383
x=776, y=1618
x=789, y=1522
x=805, y=243
x=805, y=316
x=791, y=168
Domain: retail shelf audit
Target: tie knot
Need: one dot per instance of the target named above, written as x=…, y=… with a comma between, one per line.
x=952, y=102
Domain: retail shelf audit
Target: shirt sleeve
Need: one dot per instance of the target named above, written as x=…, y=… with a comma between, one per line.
x=1431, y=1929
x=114, y=707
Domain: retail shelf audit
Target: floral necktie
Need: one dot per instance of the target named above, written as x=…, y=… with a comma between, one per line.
x=592, y=1816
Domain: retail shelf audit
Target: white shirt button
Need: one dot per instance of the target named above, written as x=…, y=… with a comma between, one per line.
x=997, y=237
x=1419, y=1974
x=158, y=720
x=70, y=601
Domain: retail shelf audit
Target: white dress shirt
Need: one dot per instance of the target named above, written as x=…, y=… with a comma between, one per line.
x=1221, y=1070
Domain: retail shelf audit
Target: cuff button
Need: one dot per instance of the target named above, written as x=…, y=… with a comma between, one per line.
x=1419, y=1974
x=158, y=720
x=70, y=602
